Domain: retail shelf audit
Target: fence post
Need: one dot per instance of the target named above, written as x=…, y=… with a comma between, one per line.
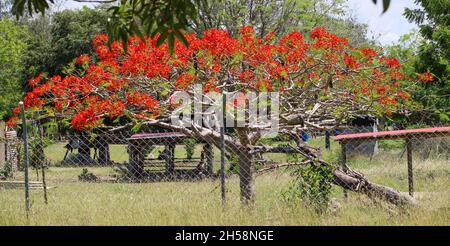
x=327, y=140
x=344, y=161
x=410, y=166
x=222, y=150
x=25, y=158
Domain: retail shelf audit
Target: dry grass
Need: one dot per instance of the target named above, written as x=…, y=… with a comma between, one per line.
x=198, y=203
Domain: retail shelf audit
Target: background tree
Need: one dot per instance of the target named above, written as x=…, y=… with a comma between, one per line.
x=57, y=39
x=429, y=52
x=280, y=17
x=12, y=48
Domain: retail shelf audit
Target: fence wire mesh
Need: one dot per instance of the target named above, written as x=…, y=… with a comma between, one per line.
x=138, y=174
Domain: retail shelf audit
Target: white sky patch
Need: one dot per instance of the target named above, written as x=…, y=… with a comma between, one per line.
x=70, y=4
x=385, y=28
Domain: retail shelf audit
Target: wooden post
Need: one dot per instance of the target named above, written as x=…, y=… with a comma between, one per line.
x=170, y=151
x=44, y=184
x=136, y=156
x=42, y=162
x=327, y=140
x=410, y=167
x=344, y=161
x=25, y=156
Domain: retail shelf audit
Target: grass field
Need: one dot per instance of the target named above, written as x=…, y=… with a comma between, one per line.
x=198, y=203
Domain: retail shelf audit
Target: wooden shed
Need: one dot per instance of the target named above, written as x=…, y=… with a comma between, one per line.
x=138, y=145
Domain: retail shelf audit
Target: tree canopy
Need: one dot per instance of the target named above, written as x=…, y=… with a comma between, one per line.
x=325, y=70
x=12, y=47
x=147, y=17
x=429, y=52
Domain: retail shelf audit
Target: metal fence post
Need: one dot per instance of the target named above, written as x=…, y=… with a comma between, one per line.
x=222, y=151
x=25, y=158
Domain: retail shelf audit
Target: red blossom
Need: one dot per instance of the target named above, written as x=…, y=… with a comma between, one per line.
x=426, y=77
x=133, y=82
x=83, y=59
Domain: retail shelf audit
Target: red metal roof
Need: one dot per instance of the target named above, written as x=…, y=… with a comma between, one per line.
x=420, y=132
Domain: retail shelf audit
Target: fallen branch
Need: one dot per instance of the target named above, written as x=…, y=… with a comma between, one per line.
x=343, y=176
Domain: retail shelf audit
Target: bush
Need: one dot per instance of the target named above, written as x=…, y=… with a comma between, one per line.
x=7, y=171
x=312, y=185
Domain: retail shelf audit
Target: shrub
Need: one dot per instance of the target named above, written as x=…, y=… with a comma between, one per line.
x=312, y=185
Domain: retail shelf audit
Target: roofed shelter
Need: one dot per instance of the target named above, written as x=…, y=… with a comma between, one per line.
x=138, y=145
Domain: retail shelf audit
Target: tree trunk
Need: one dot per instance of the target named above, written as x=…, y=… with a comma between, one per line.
x=246, y=177
x=344, y=176
x=356, y=182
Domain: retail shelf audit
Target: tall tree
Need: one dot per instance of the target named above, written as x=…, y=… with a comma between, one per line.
x=58, y=38
x=431, y=53
x=12, y=47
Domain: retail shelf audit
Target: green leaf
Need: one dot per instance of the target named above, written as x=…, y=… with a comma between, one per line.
x=386, y=4
x=171, y=42
x=162, y=37
x=180, y=36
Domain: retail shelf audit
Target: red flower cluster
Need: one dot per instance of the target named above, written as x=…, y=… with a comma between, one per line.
x=426, y=77
x=133, y=82
x=36, y=81
x=351, y=62
x=83, y=59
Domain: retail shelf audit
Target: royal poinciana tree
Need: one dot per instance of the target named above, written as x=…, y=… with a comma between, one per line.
x=321, y=80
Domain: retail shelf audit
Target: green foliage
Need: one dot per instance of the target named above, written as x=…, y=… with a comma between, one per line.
x=12, y=47
x=428, y=51
x=189, y=146
x=312, y=185
x=391, y=144
x=7, y=170
x=145, y=17
x=56, y=40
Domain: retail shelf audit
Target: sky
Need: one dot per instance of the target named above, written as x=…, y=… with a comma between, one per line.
x=386, y=28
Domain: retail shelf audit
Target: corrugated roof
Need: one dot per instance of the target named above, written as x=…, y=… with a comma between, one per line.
x=420, y=132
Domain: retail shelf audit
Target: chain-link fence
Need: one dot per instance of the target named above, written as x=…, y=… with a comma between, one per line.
x=159, y=176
